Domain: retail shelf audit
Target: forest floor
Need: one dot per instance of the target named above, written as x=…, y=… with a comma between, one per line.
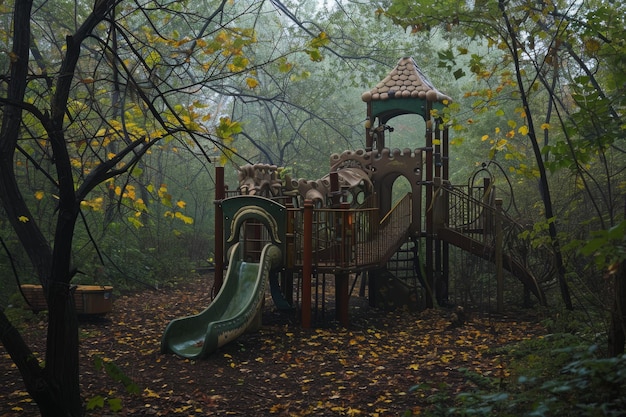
x=371, y=368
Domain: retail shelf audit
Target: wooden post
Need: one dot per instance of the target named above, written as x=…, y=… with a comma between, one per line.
x=287, y=281
x=368, y=127
x=342, y=292
x=437, y=216
x=499, y=254
x=445, y=156
x=307, y=263
x=445, y=174
x=335, y=192
x=220, y=194
x=430, y=273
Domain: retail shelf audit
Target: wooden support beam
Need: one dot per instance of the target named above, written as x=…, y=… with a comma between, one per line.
x=307, y=263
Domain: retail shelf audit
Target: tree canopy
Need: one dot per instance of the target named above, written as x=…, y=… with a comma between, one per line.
x=112, y=113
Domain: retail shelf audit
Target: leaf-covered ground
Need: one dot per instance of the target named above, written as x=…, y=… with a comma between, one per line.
x=367, y=369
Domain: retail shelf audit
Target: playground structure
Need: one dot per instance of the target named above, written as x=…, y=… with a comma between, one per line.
x=285, y=231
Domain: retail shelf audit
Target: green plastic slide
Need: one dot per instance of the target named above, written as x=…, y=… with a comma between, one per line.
x=235, y=310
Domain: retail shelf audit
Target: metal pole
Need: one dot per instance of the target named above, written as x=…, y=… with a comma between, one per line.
x=499, y=271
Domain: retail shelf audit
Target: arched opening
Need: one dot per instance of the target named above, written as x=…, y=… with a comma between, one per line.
x=407, y=131
x=400, y=187
x=254, y=235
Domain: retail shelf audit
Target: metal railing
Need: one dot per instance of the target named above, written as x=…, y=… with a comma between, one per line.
x=475, y=214
x=394, y=228
x=352, y=239
x=470, y=210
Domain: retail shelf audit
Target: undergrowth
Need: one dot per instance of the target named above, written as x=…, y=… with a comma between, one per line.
x=555, y=375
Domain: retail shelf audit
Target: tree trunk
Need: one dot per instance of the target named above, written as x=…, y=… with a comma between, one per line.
x=62, y=365
x=45, y=394
x=55, y=388
x=617, y=331
x=544, y=187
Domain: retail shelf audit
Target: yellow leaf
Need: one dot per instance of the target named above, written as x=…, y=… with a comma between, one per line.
x=39, y=195
x=23, y=219
x=135, y=222
x=484, y=138
x=182, y=409
x=592, y=45
x=150, y=394
x=181, y=204
x=523, y=130
x=413, y=366
x=251, y=82
x=545, y=126
x=446, y=358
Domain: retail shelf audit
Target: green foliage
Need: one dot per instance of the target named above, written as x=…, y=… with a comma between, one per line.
x=538, y=235
x=438, y=402
x=115, y=373
x=551, y=376
x=608, y=247
x=315, y=45
x=584, y=385
x=98, y=401
x=130, y=258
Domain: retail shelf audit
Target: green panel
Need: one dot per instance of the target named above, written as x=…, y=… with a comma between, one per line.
x=240, y=208
x=390, y=108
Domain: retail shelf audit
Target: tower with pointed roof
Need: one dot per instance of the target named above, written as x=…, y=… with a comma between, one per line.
x=406, y=90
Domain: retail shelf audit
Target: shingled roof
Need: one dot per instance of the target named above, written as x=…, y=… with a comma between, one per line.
x=405, y=81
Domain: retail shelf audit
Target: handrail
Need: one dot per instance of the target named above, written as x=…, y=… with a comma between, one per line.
x=404, y=202
x=353, y=239
x=476, y=218
x=394, y=228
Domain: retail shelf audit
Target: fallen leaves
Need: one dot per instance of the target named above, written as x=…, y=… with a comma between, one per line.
x=281, y=370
